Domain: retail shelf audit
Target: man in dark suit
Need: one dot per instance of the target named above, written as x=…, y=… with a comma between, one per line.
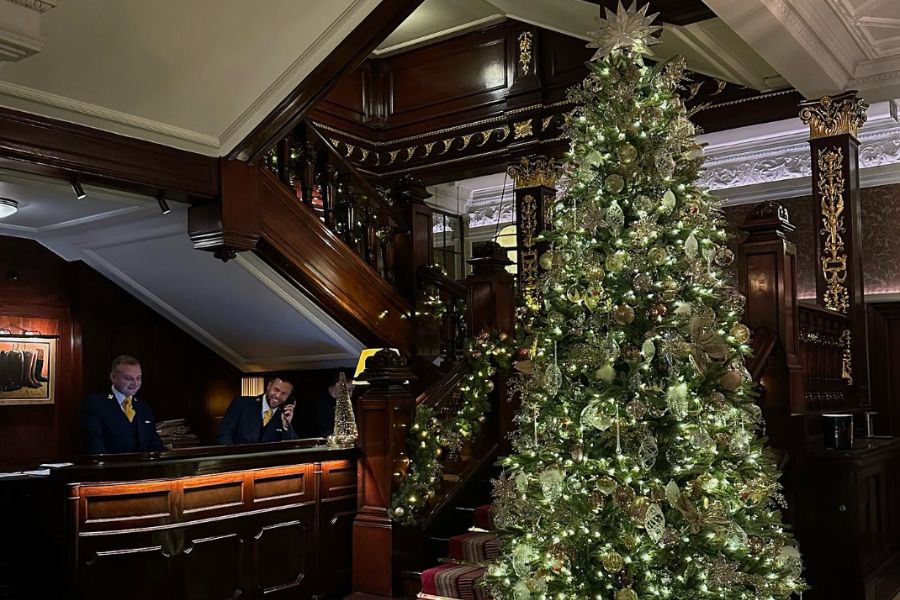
x=117, y=422
x=265, y=418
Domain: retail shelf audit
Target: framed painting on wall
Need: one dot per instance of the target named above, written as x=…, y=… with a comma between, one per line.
x=27, y=369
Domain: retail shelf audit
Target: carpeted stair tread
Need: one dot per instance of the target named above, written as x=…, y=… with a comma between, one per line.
x=453, y=581
x=476, y=547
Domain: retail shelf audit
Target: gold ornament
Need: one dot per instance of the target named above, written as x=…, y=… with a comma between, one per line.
x=614, y=183
x=613, y=562
x=627, y=593
x=546, y=260
x=624, y=495
x=627, y=154
x=724, y=257
x=592, y=298
x=615, y=261
x=731, y=380
x=740, y=333
x=638, y=509
x=624, y=314
x=596, y=274
x=578, y=453
x=658, y=256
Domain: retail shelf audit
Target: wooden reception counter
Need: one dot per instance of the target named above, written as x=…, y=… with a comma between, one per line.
x=269, y=520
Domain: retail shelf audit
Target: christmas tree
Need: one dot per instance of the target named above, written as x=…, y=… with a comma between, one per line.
x=345, y=432
x=636, y=472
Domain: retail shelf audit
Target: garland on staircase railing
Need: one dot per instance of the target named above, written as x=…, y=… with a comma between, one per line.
x=430, y=434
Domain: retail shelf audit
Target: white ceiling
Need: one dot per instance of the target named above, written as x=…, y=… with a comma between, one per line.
x=200, y=75
x=197, y=74
x=241, y=309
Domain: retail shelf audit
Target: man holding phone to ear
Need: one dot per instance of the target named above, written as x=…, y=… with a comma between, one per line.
x=265, y=418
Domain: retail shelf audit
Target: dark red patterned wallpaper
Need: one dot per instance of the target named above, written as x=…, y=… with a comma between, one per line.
x=881, y=238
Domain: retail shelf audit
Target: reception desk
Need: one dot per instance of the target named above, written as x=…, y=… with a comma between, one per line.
x=266, y=520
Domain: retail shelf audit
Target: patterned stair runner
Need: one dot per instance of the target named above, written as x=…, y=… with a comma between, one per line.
x=457, y=579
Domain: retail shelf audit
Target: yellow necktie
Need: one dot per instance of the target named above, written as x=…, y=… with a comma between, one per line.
x=129, y=410
x=267, y=416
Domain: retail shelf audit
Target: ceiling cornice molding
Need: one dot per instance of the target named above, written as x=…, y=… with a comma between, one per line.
x=40, y=6
x=759, y=163
x=107, y=119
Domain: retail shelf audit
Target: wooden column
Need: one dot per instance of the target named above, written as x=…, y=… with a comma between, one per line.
x=414, y=248
x=833, y=126
x=490, y=300
x=767, y=264
x=535, y=194
x=384, y=415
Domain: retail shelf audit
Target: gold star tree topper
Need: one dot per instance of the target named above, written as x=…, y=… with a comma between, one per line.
x=631, y=28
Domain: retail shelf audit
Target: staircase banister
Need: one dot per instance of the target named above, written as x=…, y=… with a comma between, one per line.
x=375, y=197
x=442, y=389
x=456, y=289
x=763, y=342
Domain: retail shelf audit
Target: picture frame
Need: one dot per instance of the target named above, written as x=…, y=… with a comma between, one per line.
x=27, y=370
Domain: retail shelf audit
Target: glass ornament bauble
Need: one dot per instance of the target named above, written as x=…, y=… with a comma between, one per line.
x=592, y=297
x=606, y=485
x=595, y=274
x=654, y=522
x=627, y=594
x=613, y=562
x=546, y=261
x=691, y=246
x=740, y=333
x=643, y=205
x=636, y=409
x=627, y=154
x=657, y=256
x=665, y=164
x=724, y=257
x=615, y=261
x=642, y=282
x=624, y=495
x=552, y=379
x=615, y=218
x=624, y=314
x=614, y=183
x=731, y=380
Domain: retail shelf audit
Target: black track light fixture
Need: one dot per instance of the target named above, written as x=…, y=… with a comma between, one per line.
x=163, y=205
x=79, y=191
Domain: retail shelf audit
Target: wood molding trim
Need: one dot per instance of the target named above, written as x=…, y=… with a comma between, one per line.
x=42, y=146
x=349, y=54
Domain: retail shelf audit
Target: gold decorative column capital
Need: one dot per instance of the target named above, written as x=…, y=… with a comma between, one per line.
x=834, y=115
x=536, y=172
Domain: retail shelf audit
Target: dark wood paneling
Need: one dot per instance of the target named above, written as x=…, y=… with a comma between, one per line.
x=469, y=72
x=45, y=146
x=297, y=547
x=884, y=356
x=348, y=55
x=96, y=321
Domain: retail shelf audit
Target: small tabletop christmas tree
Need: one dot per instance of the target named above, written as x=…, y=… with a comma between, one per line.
x=635, y=471
x=345, y=432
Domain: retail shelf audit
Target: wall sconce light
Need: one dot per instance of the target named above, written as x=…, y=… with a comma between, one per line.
x=79, y=191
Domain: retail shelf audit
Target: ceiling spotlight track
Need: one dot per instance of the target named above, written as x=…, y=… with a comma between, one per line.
x=163, y=205
x=79, y=191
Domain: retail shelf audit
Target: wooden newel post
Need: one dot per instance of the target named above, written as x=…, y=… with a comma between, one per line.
x=490, y=299
x=535, y=195
x=491, y=307
x=834, y=122
x=414, y=248
x=384, y=414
